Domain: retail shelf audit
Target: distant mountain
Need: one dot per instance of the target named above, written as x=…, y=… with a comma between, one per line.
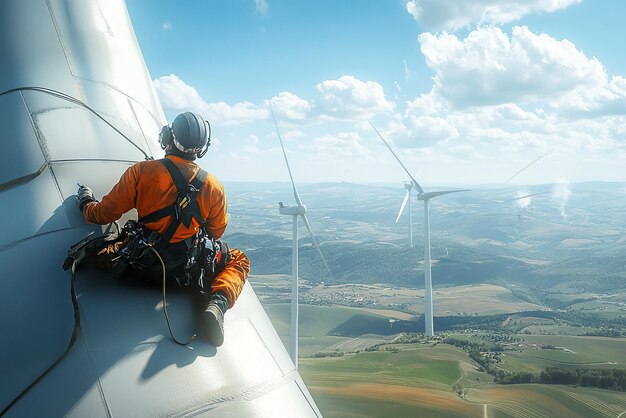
x=572, y=233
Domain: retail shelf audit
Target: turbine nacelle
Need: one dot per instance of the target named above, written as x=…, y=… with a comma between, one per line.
x=291, y=210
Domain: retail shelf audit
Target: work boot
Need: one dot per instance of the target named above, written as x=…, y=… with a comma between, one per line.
x=213, y=317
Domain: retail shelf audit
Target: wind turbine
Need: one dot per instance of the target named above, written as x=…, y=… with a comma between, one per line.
x=428, y=284
x=408, y=186
x=298, y=210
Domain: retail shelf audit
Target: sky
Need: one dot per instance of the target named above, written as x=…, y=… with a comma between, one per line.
x=466, y=92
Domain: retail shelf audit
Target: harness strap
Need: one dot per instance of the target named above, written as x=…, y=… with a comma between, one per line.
x=180, y=215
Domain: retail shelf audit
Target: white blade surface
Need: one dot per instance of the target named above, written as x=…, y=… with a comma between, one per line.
x=406, y=199
x=430, y=195
x=415, y=183
x=293, y=184
x=525, y=167
x=530, y=195
x=319, y=250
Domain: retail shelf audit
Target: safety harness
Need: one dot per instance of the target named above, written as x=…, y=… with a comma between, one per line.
x=186, y=206
x=204, y=254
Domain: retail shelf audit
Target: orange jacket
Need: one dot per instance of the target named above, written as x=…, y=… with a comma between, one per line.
x=148, y=186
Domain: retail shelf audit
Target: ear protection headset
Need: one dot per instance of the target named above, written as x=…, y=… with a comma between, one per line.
x=167, y=137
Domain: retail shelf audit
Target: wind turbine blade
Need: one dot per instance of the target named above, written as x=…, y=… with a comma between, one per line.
x=293, y=184
x=319, y=250
x=525, y=167
x=430, y=195
x=406, y=199
x=530, y=195
x=415, y=183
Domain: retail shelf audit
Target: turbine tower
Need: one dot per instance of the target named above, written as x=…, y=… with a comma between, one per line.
x=428, y=284
x=298, y=210
x=408, y=186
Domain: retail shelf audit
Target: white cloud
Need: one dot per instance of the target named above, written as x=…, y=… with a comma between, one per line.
x=177, y=96
x=512, y=112
x=437, y=15
x=408, y=73
x=426, y=104
x=167, y=26
x=348, y=97
x=345, y=98
x=261, y=7
x=508, y=131
x=294, y=134
x=225, y=114
x=489, y=68
x=461, y=150
x=252, y=139
x=604, y=100
x=427, y=130
x=342, y=144
x=288, y=105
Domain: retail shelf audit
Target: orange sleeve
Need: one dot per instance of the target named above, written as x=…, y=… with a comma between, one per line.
x=120, y=199
x=217, y=218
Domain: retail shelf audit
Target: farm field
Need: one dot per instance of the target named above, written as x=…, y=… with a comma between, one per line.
x=570, y=352
x=525, y=401
x=317, y=323
x=481, y=299
x=415, y=380
x=419, y=380
x=372, y=376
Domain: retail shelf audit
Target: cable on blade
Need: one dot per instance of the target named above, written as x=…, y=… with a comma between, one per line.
x=70, y=344
x=167, y=318
x=71, y=99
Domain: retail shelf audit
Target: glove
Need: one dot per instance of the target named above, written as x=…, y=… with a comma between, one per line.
x=84, y=196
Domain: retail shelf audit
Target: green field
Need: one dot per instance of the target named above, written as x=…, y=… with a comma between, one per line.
x=574, y=351
x=392, y=402
x=317, y=322
x=416, y=380
x=526, y=401
x=413, y=365
x=419, y=381
x=433, y=379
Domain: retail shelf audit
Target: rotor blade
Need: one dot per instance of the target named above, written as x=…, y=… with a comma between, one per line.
x=415, y=183
x=430, y=195
x=530, y=195
x=308, y=226
x=525, y=167
x=295, y=191
x=406, y=199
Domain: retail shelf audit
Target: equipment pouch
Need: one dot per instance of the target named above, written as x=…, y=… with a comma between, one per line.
x=85, y=248
x=136, y=251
